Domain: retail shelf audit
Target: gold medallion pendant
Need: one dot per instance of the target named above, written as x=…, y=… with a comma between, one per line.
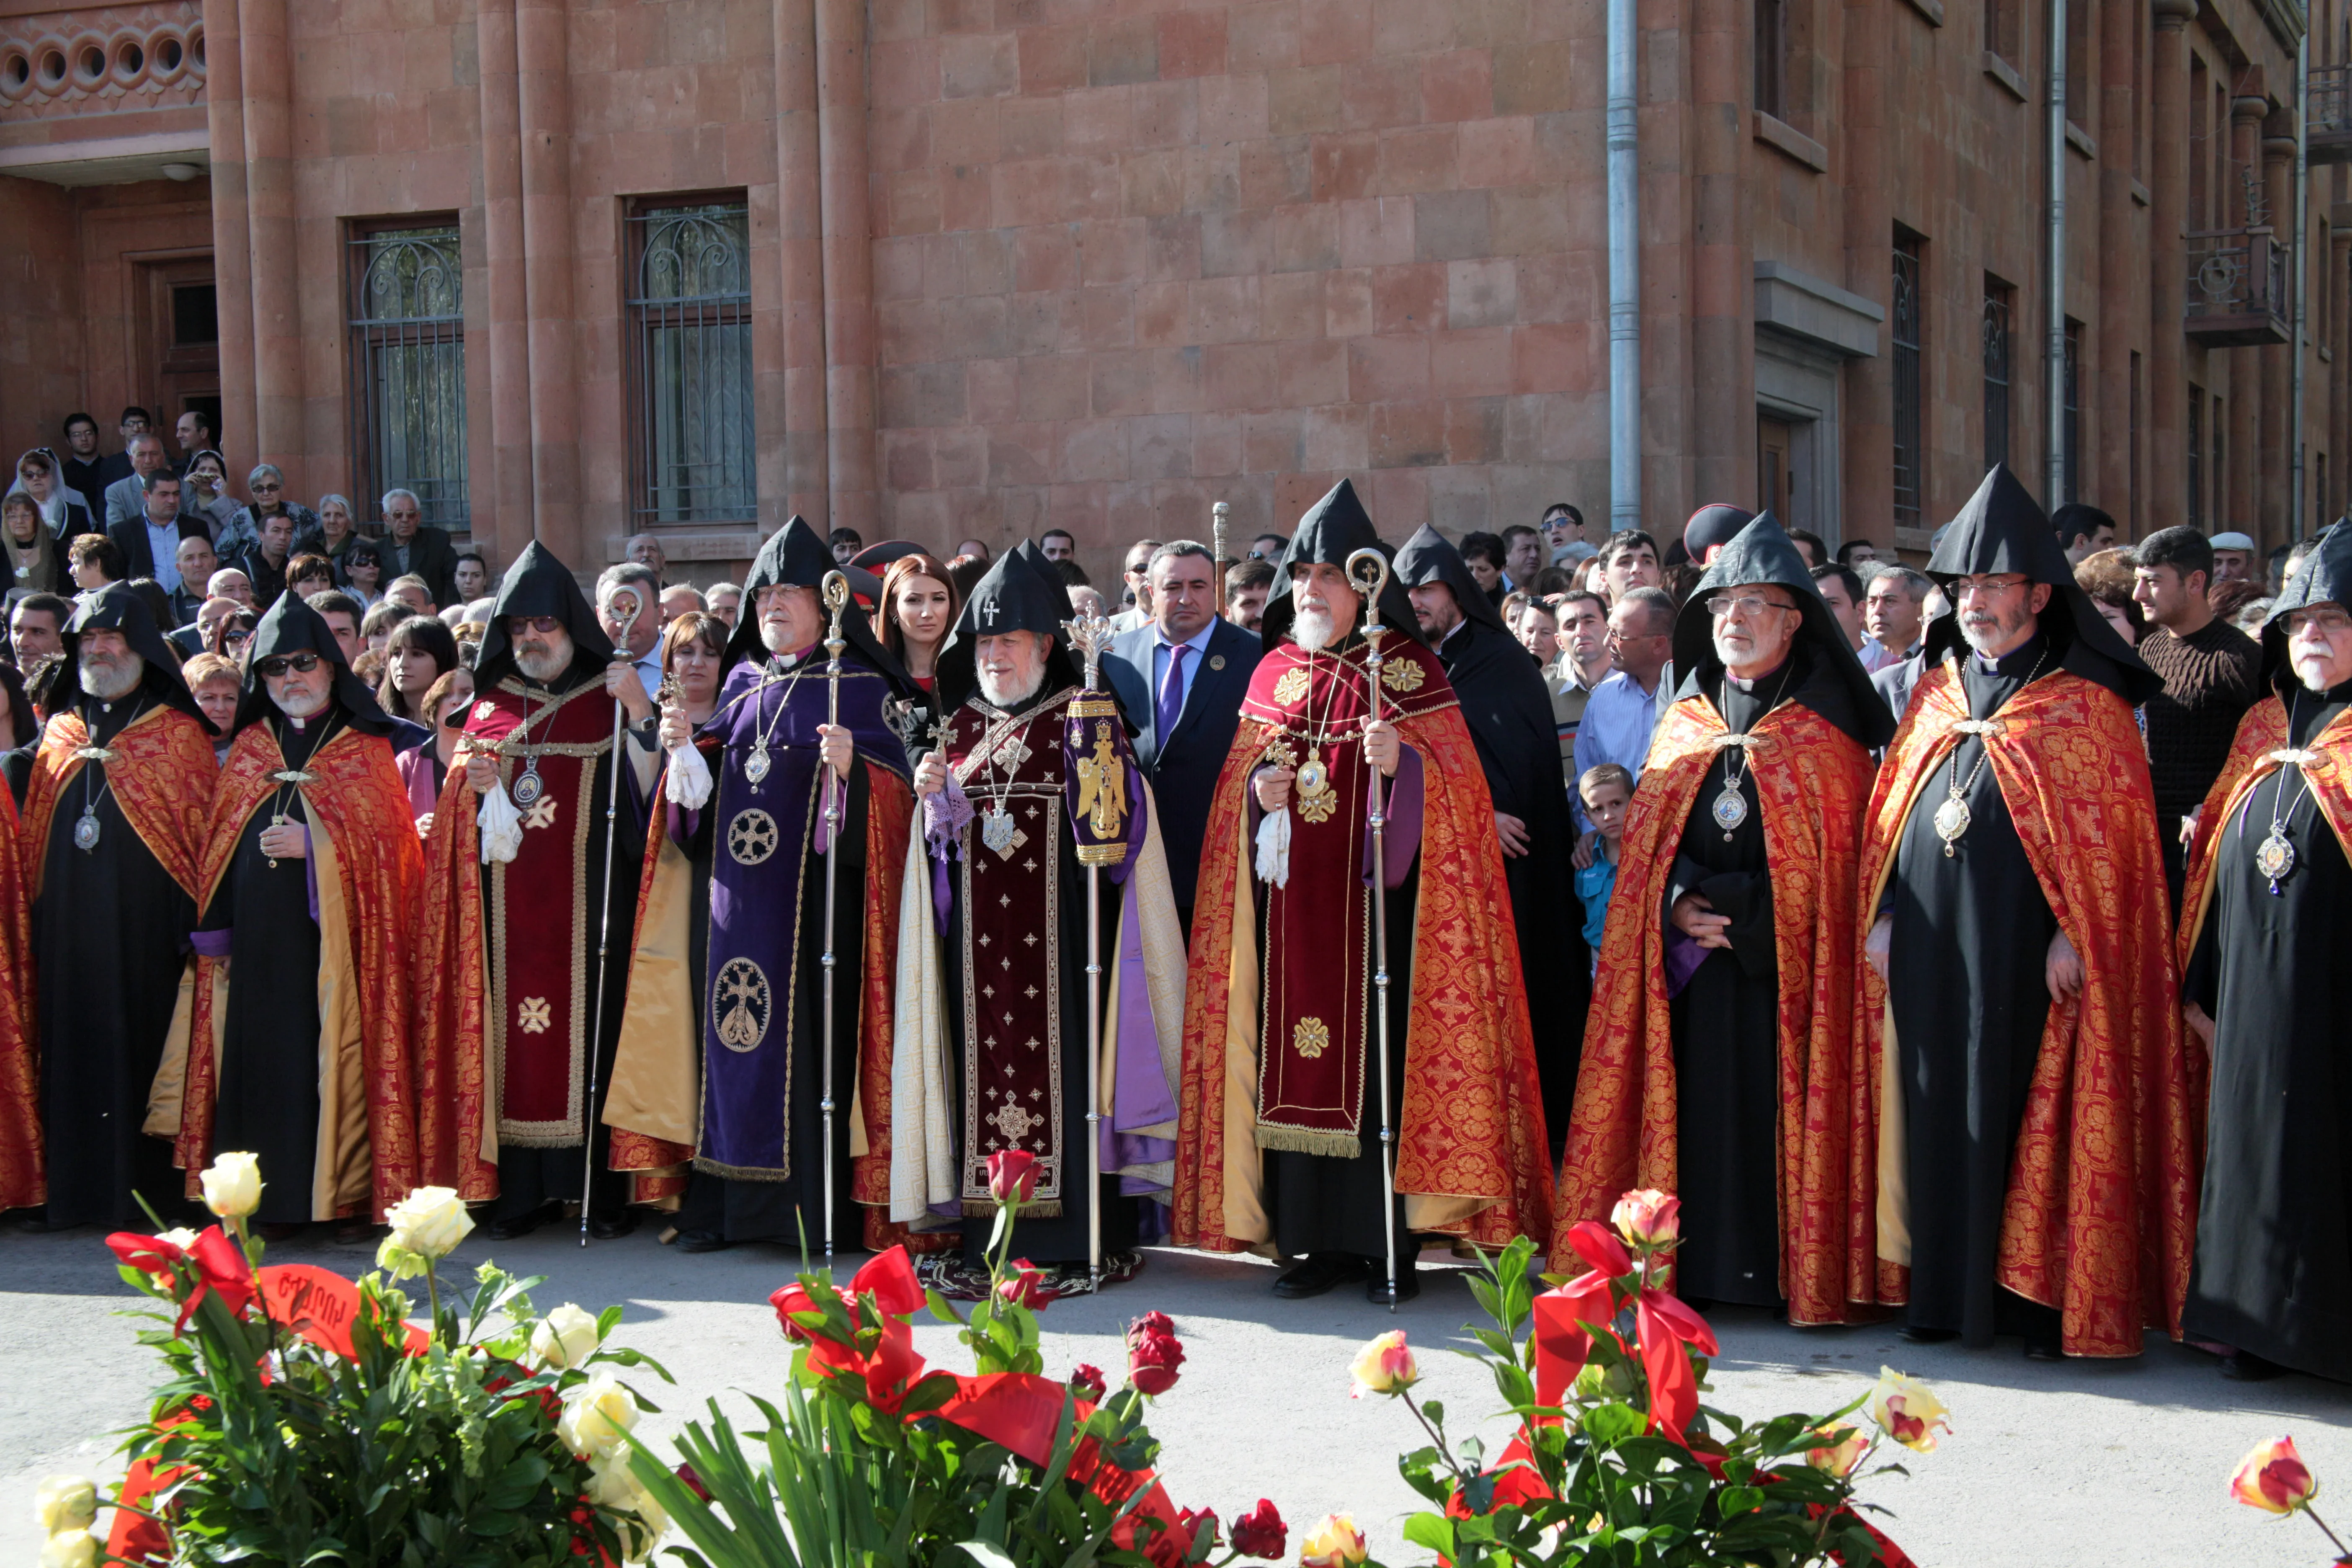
x=1951, y=821
x=1730, y=809
x=2274, y=857
x=1317, y=799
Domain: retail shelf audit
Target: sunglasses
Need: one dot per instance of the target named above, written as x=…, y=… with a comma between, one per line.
x=517, y=625
x=277, y=664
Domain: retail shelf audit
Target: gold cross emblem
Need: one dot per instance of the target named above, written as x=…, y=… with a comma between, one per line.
x=535, y=1015
x=542, y=814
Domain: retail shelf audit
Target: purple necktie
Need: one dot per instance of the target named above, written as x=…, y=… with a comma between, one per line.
x=1171, y=695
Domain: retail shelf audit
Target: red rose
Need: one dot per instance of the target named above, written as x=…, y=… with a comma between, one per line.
x=1088, y=1382
x=1197, y=1523
x=693, y=1482
x=1151, y=1362
x=1260, y=1532
x=1012, y=1176
x=1152, y=1323
x=1026, y=1286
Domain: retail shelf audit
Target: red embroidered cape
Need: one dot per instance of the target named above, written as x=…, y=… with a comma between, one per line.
x=24, y=1183
x=1812, y=781
x=362, y=803
x=2101, y=1215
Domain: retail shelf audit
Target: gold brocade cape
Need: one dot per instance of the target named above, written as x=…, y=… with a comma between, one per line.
x=1812, y=782
x=23, y=1181
x=2101, y=1211
x=1472, y=1159
x=370, y=871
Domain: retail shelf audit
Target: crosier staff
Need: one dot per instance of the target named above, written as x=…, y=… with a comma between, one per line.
x=835, y=590
x=1090, y=634
x=1369, y=571
x=605, y=928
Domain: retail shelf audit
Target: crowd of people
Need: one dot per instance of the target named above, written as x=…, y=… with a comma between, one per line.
x=1954, y=941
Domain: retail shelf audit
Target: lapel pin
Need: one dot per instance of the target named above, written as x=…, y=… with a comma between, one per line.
x=1216, y=661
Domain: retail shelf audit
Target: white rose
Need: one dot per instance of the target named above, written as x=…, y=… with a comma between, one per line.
x=70, y=1549
x=594, y=1416
x=564, y=1338
x=428, y=1223
x=66, y=1502
x=232, y=1186
x=652, y=1522
x=181, y=1238
x=610, y=1486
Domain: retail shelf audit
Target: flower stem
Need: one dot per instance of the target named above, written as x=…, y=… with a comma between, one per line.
x=433, y=1295
x=1436, y=1438
x=2340, y=1552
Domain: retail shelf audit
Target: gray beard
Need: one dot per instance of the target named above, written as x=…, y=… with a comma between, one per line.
x=302, y=705
x=542, y=668
x=108, y=684
x=1011, y=694
x=1312, y=630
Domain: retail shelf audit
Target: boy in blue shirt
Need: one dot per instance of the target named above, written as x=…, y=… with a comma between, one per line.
x=1606, y=791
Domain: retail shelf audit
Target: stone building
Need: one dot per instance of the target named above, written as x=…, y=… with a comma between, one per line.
x=935, y=268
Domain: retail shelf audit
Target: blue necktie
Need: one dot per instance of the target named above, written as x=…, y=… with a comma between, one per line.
x=1171, y=695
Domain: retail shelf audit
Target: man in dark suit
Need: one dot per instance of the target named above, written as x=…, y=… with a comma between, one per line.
x=412, y=548
x=1181, y=676
x=149, y=539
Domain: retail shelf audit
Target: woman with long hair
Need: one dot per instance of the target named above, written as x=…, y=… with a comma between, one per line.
x=423, y=768
x=36, y=564
x=229, y=635
x=920, y=599
x=694, y=654
x=421, y=651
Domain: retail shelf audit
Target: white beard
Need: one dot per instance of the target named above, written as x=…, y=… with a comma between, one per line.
x=1312, y=630
x=301, y=705
x=542, y=668
x=108, y=684
x=2315, y=681
x=1011, y=692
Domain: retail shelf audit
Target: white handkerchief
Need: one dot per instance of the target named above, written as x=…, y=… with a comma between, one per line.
x=690, y=778
x=1274, y=849
x=501, y=827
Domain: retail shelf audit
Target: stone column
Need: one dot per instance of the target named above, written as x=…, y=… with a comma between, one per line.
x=2242, y=508
x=232, y=239
x=1723, y=292
x=1867, y=443
x=544, y=97
x=848, y=251
x=2274, y=492
x=266, y=67
x=2167, y=381
x=2106, y=431
x=506, y=522
x=800, y=242
x=2337, y=282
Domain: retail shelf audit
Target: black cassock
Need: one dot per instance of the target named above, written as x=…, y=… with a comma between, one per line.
x=110, y=937
x=1509, y=714
x=269, y=1032
x=1966, y=987
x=2274, y=1265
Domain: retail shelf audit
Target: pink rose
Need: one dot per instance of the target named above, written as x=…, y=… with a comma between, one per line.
x=2273, y=1478
x=1648, y=1217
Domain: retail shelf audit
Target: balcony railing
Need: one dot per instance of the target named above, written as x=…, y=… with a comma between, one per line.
x=2328, y=99
x=2237, y=286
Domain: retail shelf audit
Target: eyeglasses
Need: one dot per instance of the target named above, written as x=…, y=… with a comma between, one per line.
x=2332, y=621
x=517, y=625
x=266, y=488
x=1990, y=586
x=1749, y=605
x=277, y=664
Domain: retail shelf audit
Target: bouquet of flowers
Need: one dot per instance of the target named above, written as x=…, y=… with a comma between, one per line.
x=305, y=1419
x=1616, y=1460
x=874, y=1460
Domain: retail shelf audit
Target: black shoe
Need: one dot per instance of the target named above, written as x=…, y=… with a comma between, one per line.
x=2045, y=1349
x=1408, y=1285
x=2245, y=1366
x=702, y=1241
x=1320, y=1272
x=611, y=1228
x=515, y=1225
x=1918, y=1336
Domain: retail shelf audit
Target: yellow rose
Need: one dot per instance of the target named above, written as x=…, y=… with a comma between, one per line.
x=594, y=1416
x=1648, y=1217
x=70, y=1549
x=66, y=1502
x=564, y=1338
x=1384, y=1366
x=610, y=1486
x=2273, y=1478
x=232, y=1186
x=427, y=1224
x=1841, y=1449
x=1907, y=1412
x=1334, y=1542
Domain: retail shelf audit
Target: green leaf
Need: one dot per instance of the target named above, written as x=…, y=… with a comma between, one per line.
x=1434, y=1531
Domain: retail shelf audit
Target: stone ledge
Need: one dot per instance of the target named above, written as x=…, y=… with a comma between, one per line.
x=1933, y=10
x=2140, y=194
x=1817, y=312
x=2080, y=140
x=1783, y=137
x=2002, y=71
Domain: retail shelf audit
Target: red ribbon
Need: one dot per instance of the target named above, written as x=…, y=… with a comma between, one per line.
x=220, y=1264
x=1662, y=1326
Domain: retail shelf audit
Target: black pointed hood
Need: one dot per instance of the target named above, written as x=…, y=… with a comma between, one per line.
x=538, y=584
x=117, y=608
x=1429, y=557
x=292, y=626
x=2324, y=577
x=1021, y=592
x=1716, y=524
x=1333, y=529
x=796, y=555
x=1762, y=552
x=2003, y=528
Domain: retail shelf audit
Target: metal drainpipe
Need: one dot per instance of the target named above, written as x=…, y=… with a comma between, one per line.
x=2302, y=280
x=2054, y=335
x=1625, y=272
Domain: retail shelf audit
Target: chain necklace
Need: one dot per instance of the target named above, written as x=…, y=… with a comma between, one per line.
x=2275, y=856
x=996, y=825
x=86, y=826
x=290, y=779
x=1317, y=797
x=529, y=786
x=1730, y=808
x=1951, y=819
x=756, y=765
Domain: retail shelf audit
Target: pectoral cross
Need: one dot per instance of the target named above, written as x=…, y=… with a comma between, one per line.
x=276, y=819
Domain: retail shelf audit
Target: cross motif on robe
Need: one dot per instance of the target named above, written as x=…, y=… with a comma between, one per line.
x=1030, y=939
x=988, y=613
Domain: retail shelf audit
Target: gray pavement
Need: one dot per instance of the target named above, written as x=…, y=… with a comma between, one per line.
x=2115, y=1463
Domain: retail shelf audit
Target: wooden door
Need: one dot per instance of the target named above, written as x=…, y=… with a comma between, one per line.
x=1776, y=493
x=179, y=330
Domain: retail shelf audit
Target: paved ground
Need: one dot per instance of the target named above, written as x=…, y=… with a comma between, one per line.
x=2108, y=1463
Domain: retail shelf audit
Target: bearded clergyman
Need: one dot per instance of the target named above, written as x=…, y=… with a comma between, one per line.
x=1718, y=1061
x=719, y=1079
x=509, y=983
x=297, y=1045
x=1032, y=789
x=113, y=833
x=2035, y=1169
x=2267, y=992
x=1279, y=1150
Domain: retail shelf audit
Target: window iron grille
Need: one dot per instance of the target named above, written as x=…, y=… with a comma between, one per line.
x=693, y=453
x=408, y=369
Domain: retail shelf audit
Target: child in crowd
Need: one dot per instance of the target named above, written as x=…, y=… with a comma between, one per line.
x=1606, y=791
